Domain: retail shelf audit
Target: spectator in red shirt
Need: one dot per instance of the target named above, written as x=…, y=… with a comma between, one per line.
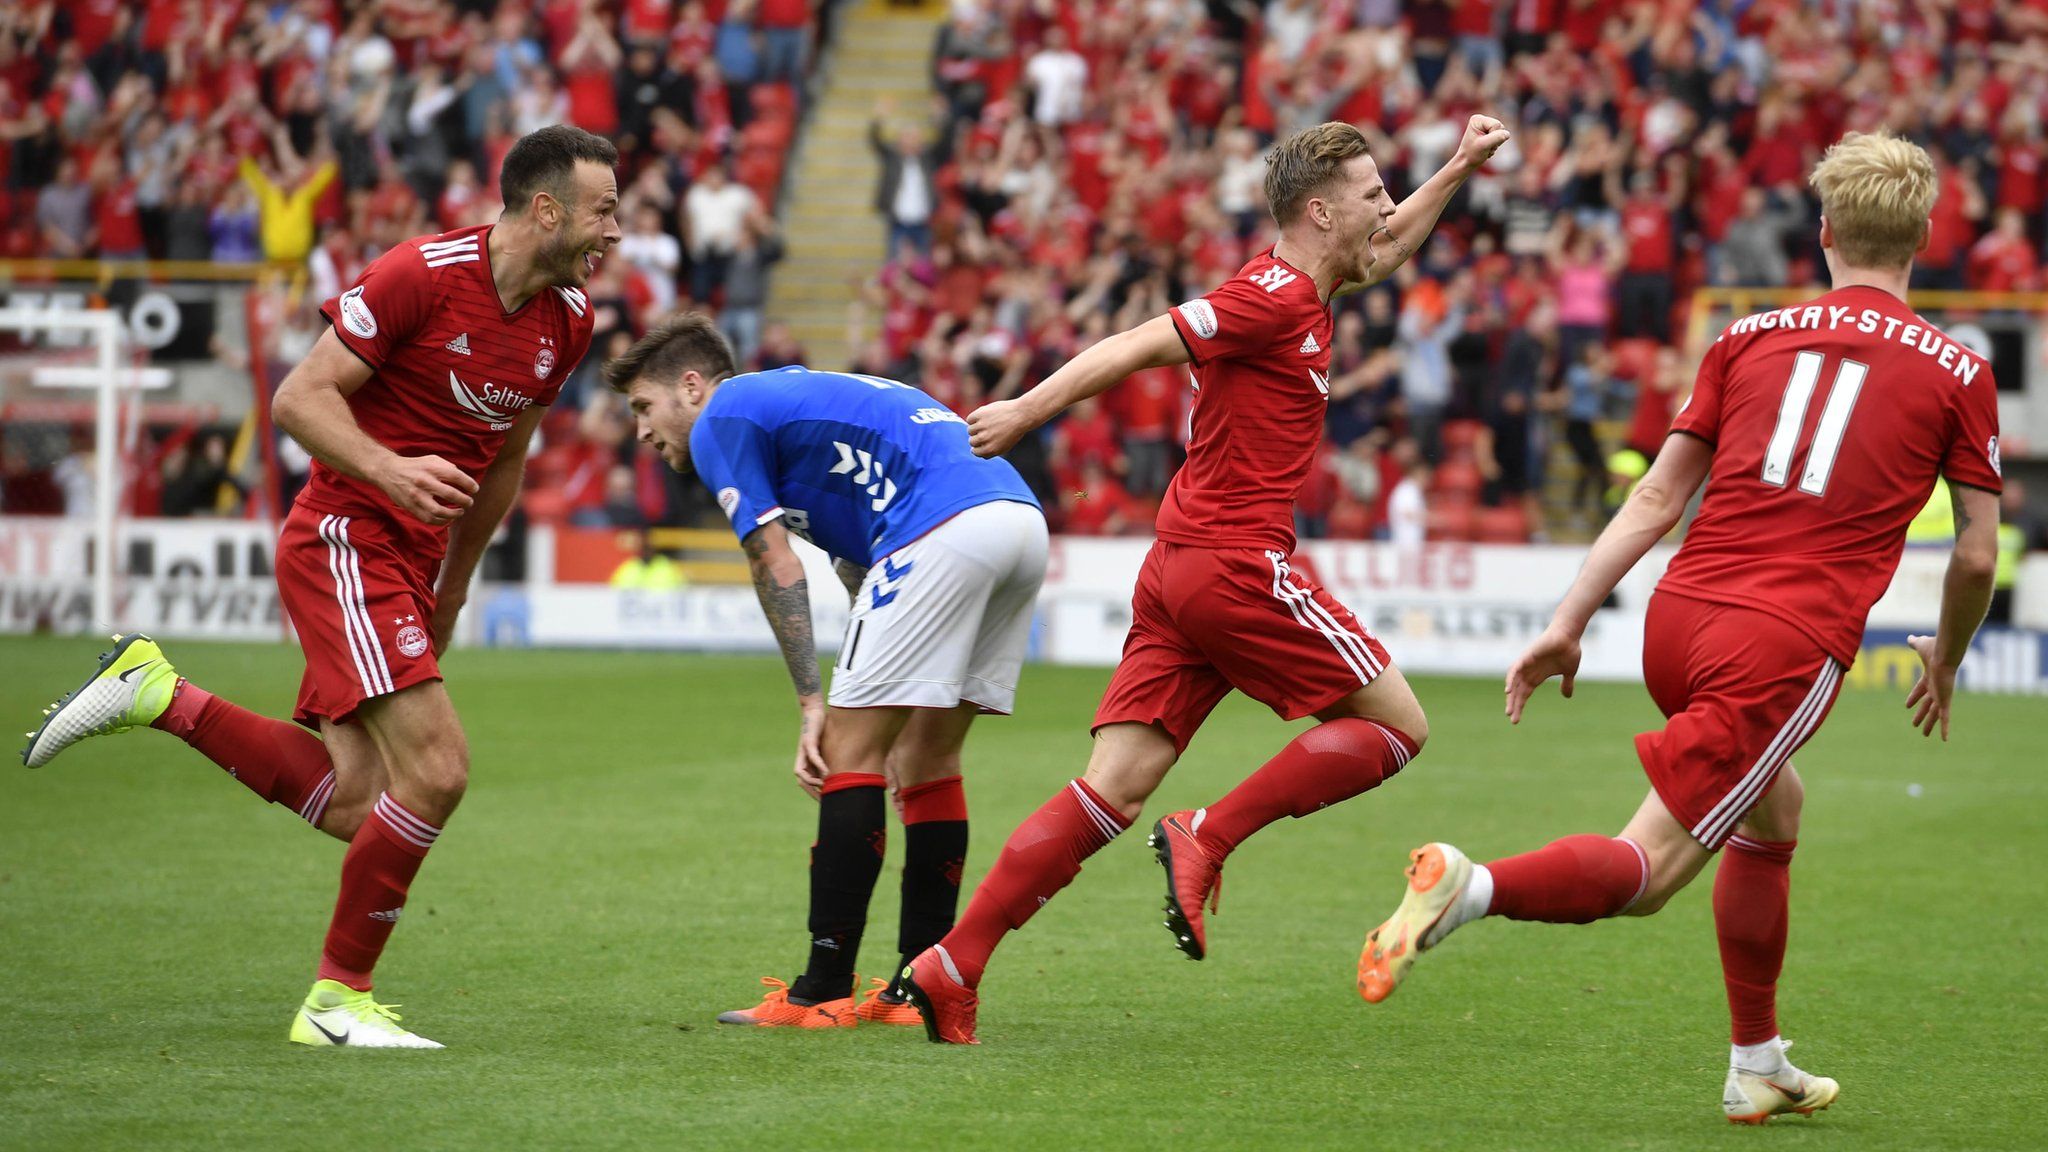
x=1096, y=505
x=785, y=27
x=1645, y=285
x=2004, y=261
x=116, y=212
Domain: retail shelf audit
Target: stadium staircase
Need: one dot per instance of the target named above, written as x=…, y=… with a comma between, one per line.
x=881, y=53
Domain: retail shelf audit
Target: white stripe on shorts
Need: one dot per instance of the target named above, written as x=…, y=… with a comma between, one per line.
x=1316, y=618
x=347, y=568
x=1715, y=826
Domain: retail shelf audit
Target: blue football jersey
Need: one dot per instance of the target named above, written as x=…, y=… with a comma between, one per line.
x=858, y=465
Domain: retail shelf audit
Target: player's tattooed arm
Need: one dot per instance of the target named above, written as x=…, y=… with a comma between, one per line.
x=850, y=574
x=786, y=599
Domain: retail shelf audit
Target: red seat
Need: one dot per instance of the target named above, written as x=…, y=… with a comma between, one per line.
x=1507, y=524
x=1349, y=520
x=545, y=505
x=1458, y=438
x=1458, y=479
x=773, y=100
x=1450, y=520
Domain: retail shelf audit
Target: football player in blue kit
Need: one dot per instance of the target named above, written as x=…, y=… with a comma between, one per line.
x=942, y=552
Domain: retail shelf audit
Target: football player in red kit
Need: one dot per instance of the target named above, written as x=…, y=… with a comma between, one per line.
x=1820, y=430
x=417, y=405
x=1217, y=605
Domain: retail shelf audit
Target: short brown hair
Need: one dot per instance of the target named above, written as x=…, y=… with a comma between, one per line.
x=1304, y=164
x=1876, y=191
x=677, y=345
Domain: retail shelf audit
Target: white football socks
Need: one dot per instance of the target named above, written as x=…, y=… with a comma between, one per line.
x=1471, y=904
x=1765, y=1059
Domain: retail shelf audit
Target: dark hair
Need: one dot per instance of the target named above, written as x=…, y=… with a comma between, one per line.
x=545, y=161
x=675, y=346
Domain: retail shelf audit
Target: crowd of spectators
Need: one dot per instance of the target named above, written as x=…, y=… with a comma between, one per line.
x=1082, y=167
x=315, y=134
x=1086, y=166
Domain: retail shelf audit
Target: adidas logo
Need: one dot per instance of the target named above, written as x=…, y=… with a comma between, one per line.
x=390, y=917
x=1309, y=347
x=460, y=345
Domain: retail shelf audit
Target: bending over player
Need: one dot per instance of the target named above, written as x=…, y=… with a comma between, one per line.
x=417, y=405
x=1217, y=606
x=1821, y=429
x=942, y=553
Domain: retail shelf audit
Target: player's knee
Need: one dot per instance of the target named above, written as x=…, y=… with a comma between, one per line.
x=439, y=772
x=1416, y=728
x=1777, y=818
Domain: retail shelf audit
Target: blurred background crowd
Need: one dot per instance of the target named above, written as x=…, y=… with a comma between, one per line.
x=1079, y=167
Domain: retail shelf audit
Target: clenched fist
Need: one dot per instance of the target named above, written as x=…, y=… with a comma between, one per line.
x=994, y=429
x=1483, y=137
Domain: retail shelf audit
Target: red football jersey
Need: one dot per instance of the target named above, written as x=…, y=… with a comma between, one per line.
x=1830, y=422
x=452, y=369
x=1261, y=351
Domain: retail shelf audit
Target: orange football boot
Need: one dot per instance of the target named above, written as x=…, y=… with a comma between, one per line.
x=879, y=1009
x=776, y=1011
x=945, y=1002
x=1192, y=879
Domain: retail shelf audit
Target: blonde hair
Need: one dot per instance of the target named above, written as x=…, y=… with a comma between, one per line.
x=1304, y=163
x=1876, y=191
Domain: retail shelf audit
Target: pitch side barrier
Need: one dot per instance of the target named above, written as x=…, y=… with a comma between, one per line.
x=1458, y=609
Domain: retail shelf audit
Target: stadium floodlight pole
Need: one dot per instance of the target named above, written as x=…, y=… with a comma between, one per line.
x=105, y=328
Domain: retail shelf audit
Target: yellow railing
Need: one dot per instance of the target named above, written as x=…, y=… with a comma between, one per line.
x=713, y=540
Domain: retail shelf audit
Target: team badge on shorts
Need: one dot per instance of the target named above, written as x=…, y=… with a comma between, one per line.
x=413, y=642
x=543, y=363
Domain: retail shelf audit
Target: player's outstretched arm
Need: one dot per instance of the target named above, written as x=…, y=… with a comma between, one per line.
x=1965, y=596
x=1652, y=511
x=470, y=535
x=311, y=407
x=786, y=598
x=1415, y=217
x=994, y=429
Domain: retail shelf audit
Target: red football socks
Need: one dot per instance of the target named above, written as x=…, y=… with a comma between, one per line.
x=1576, y=880
x=1043, y=856
x=1328, y=764
x=381, y=862
x=1751, y=892
x=276, y=759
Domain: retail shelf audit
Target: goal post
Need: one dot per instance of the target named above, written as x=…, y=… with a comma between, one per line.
x=105, y=329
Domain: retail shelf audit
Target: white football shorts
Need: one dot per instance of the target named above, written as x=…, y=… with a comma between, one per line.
x=947, y=617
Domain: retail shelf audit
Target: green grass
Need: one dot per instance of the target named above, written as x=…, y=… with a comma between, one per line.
x=631, y=857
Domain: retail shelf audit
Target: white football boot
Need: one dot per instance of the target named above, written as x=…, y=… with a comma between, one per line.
x=1755, y=1097
x=337, y=1016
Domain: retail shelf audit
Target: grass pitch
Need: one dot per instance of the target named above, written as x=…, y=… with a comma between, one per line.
x=631, y=858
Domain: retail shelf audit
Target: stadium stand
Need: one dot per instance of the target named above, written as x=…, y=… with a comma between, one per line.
x=1088, y=164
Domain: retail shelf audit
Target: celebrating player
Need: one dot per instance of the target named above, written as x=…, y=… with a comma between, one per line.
x=942, y=553
x=417, y=405
x=1217, y=605
x=1821, y=429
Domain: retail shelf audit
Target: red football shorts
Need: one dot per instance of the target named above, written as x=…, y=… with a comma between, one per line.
x=1741, y=690
x=1206, y=620
x=362, y=607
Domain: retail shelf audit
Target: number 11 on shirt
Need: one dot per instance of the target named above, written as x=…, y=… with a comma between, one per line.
x=1827, y=437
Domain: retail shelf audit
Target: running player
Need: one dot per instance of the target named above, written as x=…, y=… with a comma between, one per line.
x=942, y=553
x=1820, y=430
x=1217, y=605
x=417, y=405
